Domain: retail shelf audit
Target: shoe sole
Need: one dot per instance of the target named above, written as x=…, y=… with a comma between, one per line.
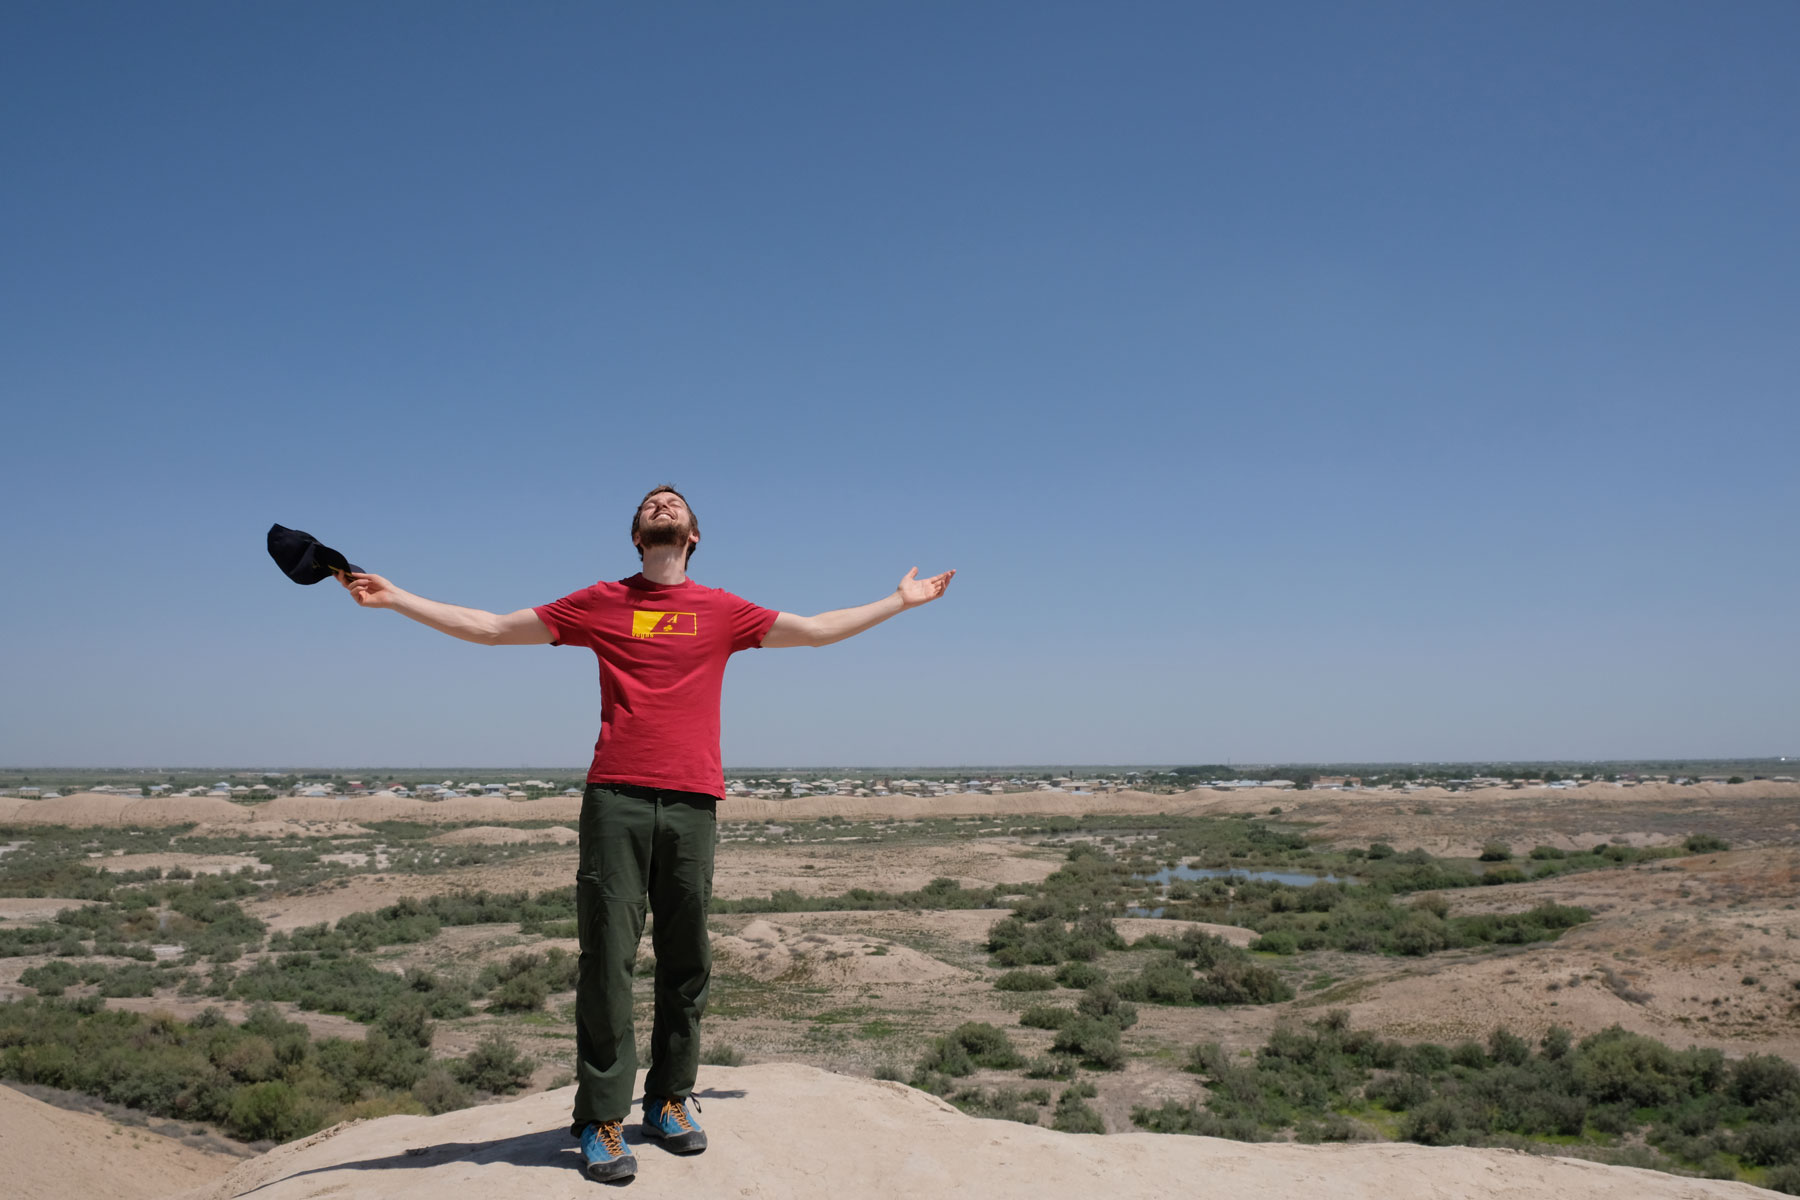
x=680, y=1143
x=618, y=1168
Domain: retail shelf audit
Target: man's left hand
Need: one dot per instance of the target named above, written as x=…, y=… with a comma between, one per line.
x=915, y=591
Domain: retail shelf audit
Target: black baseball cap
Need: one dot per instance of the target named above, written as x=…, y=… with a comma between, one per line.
x=303, y=558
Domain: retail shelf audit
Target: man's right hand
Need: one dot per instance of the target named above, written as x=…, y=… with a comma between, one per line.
x=370, y=591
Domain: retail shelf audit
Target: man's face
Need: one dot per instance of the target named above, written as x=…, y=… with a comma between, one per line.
x=664, y=520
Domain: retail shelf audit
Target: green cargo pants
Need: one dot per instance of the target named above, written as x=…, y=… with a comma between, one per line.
x=638, y=841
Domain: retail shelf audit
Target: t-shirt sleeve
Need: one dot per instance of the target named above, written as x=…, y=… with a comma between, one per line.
x=749, y=622
x=571, y=619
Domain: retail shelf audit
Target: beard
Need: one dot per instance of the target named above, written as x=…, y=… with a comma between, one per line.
x=664, y=533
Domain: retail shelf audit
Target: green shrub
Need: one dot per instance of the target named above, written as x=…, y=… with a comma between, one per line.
x=1439, y=1122
x=1025, y=981
x=51, y=978
x=1279, y=942
x=1093, y=1042
x=1705, y=843
x=265, y=1111
x=1617, y=1066
x=1190, y=1118
x=1104, y=1003
x=1049, y=1067
x=1507, y=1047
x=1046, y=1016
x=521, y=993
x=1072, y=1115
x=1785, y=1180
x=968, y=1046
x=1770, y=1144
x=1496, y=852
x=1004, y=1104
x=986, y=1045
x=1079, y=975
x=1164, y=979
x=1241, y=983
x=440, y=1092
x=1469, y=1055
x=1763, y=1078
x=495, y=1065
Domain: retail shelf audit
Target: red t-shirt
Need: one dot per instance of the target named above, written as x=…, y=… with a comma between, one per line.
x=662, y=652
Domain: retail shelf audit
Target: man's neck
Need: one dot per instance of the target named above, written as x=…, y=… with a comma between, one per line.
x=666, y=565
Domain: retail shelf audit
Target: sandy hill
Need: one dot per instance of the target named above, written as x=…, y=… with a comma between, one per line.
x=49, y=1153
x=782, y=1131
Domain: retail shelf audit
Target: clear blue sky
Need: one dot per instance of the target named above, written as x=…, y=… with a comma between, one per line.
x=1286, y=382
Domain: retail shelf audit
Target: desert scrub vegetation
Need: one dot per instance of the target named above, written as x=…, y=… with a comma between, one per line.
x=526, y=980
x=940, y=894
x=960, y=1052
x=549, y=913
x=1337, y=916
x=1615, y=1096
x=1196, y=968
x=130, y=979
x=330, y=982
x=201, y=916
x=264, y=1080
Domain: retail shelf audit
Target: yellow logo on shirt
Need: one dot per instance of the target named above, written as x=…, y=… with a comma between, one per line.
x=663, y=624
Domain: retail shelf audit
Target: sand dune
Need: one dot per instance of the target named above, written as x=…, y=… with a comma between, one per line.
x=797, y=1133
x=50, y=1153
x=101, y=808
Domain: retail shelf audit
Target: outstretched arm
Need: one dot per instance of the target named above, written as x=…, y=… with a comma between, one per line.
x=835, y=626
x=520, y=628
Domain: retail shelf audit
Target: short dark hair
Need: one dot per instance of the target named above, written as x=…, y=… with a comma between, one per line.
x=638, y=512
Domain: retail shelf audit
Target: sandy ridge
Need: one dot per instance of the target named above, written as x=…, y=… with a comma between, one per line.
x=49, y=1153
x=799, y=1133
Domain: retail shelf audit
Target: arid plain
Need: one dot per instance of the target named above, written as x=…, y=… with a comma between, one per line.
x=1693, y=949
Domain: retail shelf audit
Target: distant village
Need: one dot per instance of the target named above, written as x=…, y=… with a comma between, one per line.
x=252, y=786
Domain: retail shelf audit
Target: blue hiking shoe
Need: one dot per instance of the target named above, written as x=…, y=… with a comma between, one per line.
x=666, y=1118
x=608, y=1157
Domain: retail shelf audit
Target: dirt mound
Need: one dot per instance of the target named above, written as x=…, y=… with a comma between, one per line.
x=101, y=808
x=280, y=829
x=780, y=1130
x=501, y=835
x=179, y=810
x=54, y=1154
x=80, y=808
x=766, y=951
x=385, y=806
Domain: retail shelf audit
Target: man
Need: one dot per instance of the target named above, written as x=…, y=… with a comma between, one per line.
x=648, y=815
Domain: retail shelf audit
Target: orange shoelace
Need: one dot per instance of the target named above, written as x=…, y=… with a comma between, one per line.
x=612, y=1136
x=677, y=1110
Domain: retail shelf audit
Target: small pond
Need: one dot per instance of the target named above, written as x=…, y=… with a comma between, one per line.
x=1168, y=875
